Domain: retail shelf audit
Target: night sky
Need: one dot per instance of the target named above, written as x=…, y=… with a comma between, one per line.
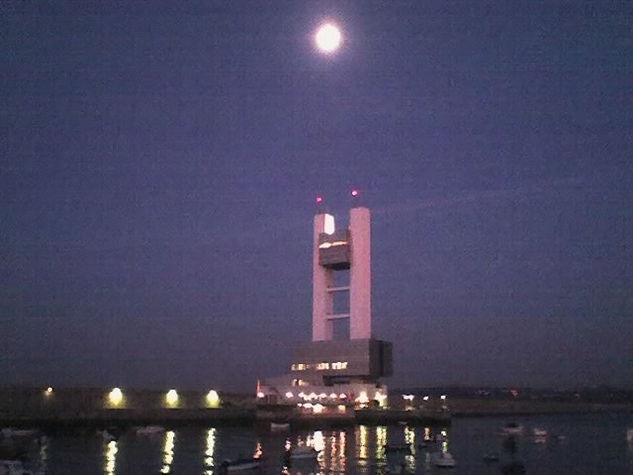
x=160, y=164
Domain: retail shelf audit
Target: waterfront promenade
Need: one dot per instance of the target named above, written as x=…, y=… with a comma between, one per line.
x=80, y=406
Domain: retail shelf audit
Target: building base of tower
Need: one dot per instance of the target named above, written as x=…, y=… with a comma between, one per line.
x=332, y=373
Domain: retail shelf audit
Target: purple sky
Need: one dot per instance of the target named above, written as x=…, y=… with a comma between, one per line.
x=160, y=163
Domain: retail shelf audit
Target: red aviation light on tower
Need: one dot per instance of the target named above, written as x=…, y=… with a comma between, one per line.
x=319, y=199
x=355, y=193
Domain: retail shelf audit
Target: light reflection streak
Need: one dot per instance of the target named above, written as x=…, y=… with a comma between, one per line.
x=444, y=440
x=43, y=441
x=259, y=450
x=168, y=451
x=318, y=441
x=333, y=451
x=361, y=445
x=342, y=459
x=210, y=452
x=409, y=438
x=381, y=443
x=110, y=457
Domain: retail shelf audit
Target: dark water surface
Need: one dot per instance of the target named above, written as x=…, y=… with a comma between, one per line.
x=570, y=444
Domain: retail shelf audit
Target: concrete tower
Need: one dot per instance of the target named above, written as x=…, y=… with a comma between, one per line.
x=326, y=366
x=336, y=250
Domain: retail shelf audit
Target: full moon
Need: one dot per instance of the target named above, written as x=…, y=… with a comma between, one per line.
x=328, y=38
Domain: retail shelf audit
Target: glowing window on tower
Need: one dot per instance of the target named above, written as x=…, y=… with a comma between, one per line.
x=328, y=225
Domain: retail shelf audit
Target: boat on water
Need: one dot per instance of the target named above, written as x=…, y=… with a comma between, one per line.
x=402, y=448
x=150, y=430
x=444, y=460
x=303, y=452
x=107, y=436
x=16, y=467
x=240, y=465
x=512, y=428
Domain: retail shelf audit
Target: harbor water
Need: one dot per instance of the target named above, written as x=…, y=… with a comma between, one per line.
x=563, y=444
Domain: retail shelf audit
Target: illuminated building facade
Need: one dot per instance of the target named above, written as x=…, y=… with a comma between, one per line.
x=327, y=367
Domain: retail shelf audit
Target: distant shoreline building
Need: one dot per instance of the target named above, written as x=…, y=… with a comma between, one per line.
x=328, y=371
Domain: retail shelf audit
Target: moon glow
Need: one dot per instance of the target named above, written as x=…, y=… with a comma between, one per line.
x=328, y=38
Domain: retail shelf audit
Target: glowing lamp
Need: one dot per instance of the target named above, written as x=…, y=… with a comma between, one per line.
x=362, y=397
x=260, y=395
x=171, y=398
x=289, y=395
x=213, y=400
x=115, y=397
x=49, y=391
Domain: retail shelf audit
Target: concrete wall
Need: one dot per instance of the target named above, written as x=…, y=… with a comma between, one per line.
x=77, y=402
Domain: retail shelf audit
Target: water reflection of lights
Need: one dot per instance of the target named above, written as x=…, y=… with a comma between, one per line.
x=444, y=433
x=362, y=436
x=381, y=443
x=168, y=451
x=43, y=453
x=333, y=451
x=210, y=451
x=110, y=457
x=318, y=441
x=341, y=451
x=427, y=434
x=409, y=438
x=259, y=451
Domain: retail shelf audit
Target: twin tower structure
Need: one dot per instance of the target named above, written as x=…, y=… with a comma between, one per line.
x=343, y=363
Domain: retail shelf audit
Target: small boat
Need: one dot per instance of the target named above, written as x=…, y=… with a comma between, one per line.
x=404, y=448
x=106, y=435
x=240, y=465
x=444, y=460
x=303, y=452
x=512, y=428
x=150, y=430
x=279, y=426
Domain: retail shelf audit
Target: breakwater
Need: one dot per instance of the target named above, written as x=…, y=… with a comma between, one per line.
x=80, y=406
x=94, y=406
